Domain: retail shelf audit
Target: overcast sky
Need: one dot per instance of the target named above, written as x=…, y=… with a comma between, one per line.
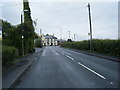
x=69, y=16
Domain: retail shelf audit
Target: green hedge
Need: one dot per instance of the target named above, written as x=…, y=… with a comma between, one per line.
x=9, y=54
x=0, y=47
x=38, y=43
x=107, y=46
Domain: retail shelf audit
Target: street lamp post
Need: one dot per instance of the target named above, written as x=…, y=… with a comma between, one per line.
x=22, y=31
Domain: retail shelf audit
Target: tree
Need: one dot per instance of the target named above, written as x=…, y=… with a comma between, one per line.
x=38, y=43
x=11, y=35
x=8, y=33
x=28, y=27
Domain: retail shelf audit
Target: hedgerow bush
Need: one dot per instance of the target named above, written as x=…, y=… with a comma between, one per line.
x=107, y=46
x=38, y=43
x=0, y=47
x=9, y=54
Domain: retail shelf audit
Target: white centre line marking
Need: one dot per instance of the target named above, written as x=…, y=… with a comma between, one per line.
x=70, y=57
x=62, y=53
x=92, y=70
x=43, y=54
x=111, y=82
x=55, y=52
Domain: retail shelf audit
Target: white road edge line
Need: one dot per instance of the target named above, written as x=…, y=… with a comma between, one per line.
x=73, y=51
x=92, y=70
x=35, y=58
x=65, y=52
x=70, y=57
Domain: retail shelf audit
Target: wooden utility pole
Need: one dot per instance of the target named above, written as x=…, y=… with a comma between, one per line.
x=69, y=34
x=90, y=26
x=74, y=36
x=60, y=33
x=40, y=31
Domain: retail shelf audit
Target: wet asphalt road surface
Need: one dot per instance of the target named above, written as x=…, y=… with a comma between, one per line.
x=64, y=68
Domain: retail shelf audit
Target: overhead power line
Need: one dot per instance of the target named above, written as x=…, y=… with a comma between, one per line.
x=10, y=5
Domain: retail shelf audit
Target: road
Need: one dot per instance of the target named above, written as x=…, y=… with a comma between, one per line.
x=64, y=68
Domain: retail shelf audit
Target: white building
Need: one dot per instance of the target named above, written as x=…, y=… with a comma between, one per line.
x=49, y=40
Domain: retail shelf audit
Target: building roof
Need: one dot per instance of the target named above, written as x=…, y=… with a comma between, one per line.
x=61, y=40
x=50, y=37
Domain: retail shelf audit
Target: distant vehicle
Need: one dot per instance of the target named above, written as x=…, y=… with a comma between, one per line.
x=69, y=40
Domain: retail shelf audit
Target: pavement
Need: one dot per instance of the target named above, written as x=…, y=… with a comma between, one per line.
x=59, y=67
x=13, y=73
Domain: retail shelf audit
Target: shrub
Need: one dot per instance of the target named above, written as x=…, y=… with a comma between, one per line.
x=38, y=43
x=107, y=46
x=0, y=47
x=9, y=54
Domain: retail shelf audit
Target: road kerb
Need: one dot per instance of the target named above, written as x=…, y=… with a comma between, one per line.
x=22, y=73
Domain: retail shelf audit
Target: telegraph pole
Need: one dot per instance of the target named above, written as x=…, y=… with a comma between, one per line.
x=40, y=31
x=74, y=36
x=90, y=26
x=60, y=33
x=69, y=34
